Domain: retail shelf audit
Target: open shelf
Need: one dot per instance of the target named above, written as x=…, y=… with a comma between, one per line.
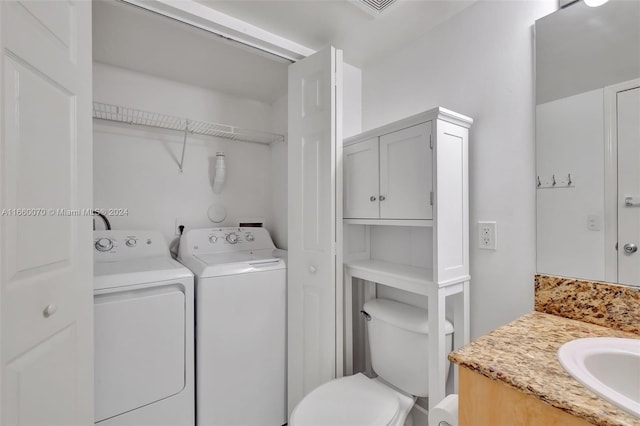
x=427, y=223
x=103, y=111
x=404, y=277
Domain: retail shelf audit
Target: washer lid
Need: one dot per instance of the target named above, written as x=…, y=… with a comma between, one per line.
x=208, y=265
x=137, y=271
x=354, y=400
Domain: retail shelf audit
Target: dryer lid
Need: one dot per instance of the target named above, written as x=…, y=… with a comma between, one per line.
x=354, y=400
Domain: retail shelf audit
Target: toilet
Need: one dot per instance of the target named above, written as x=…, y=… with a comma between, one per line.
x=398, y=340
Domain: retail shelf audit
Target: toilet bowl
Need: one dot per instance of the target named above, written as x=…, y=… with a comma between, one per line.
x=398, y=341
x=355, y=401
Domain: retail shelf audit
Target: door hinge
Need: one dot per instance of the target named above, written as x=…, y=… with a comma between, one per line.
x=431, y=198
x=430, y=142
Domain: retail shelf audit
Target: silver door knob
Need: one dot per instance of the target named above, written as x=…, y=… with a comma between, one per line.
x=372, y=198
x=630, y=248
x=382, y=198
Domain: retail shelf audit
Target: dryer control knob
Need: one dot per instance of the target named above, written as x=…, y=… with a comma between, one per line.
x=213, y=239
x=232, y=238
x=131, y=242
x=249, y=237
x=104, y=244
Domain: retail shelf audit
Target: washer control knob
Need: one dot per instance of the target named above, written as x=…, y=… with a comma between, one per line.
x=232, y=238
x=213, y=239
x=250, y=237
x=104, y=244
x=131, y=242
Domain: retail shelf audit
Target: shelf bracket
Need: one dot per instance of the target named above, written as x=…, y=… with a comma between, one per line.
x=184, y=144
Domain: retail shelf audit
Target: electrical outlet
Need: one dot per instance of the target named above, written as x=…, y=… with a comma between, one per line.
x=179, y=222
x=488, y=235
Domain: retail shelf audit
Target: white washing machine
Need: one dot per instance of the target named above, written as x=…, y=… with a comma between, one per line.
x=240, y=326
x=144, y=332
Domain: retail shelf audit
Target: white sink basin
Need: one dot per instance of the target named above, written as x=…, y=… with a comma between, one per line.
x=609, y=366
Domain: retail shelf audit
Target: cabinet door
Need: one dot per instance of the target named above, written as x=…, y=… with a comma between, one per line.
x=361, y=180
x=405, y=174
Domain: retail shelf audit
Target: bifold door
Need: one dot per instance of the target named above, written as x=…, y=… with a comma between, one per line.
x=46, y=264
x=315, y=207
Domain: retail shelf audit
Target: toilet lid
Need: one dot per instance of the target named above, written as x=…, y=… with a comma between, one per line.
x=354, y=400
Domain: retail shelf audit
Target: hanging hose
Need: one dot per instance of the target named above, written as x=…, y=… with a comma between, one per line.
x=107, y=225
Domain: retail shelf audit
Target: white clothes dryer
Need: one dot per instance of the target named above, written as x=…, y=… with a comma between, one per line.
x=240, y=326
x=144, y=332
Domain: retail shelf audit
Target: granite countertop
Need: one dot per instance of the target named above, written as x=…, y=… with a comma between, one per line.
x=523, y=355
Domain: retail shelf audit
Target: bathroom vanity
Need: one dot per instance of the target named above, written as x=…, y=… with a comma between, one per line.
x=512, y=375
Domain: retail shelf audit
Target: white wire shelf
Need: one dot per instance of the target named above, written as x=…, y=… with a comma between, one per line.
x=138, y=117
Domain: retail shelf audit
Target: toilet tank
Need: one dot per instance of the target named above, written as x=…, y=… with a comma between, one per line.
x=399, y=342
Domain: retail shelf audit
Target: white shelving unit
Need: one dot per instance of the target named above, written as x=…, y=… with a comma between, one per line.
x=436, y=140
x=402, y=277
x=133, y=116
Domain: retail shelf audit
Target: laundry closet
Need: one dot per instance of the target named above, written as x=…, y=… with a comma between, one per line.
x=195, y=95
x=375, y=214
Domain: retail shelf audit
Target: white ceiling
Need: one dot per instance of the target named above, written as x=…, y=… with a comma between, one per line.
x=129, y=37
x=319, y=23
x=132, y=38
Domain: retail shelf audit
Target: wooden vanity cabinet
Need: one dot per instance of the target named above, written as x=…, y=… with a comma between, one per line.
x=486, y=402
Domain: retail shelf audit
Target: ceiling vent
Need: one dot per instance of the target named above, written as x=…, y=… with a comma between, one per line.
x=373, y=7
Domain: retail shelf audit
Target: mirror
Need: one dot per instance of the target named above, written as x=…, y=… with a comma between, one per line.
x=588, y=142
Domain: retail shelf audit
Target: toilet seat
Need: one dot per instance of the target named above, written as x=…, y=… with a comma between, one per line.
x=354, y=401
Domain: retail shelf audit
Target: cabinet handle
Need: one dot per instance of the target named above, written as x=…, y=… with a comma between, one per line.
x=372, y=198
x=382, y=198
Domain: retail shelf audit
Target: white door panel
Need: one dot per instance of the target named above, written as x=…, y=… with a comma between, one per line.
x=46, y=278
x=314, y=126
x=405, y=174
x=131, y=372
x=29, y=400
x=361, y=180
x=628, y=185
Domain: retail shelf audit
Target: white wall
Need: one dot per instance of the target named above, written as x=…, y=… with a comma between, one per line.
x=570, y=139
x=352, y=101
x=136, y=168
x=277, y=217
x=479, y=63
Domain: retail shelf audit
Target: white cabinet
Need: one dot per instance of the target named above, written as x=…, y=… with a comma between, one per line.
x=407, y=174
x=389, y=176
x=361, y=180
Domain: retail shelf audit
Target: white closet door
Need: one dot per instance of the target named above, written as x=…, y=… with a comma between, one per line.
x=361, y=180
x=405, y=174
x=629, y=186
x=46, y=279
x=313, y=272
